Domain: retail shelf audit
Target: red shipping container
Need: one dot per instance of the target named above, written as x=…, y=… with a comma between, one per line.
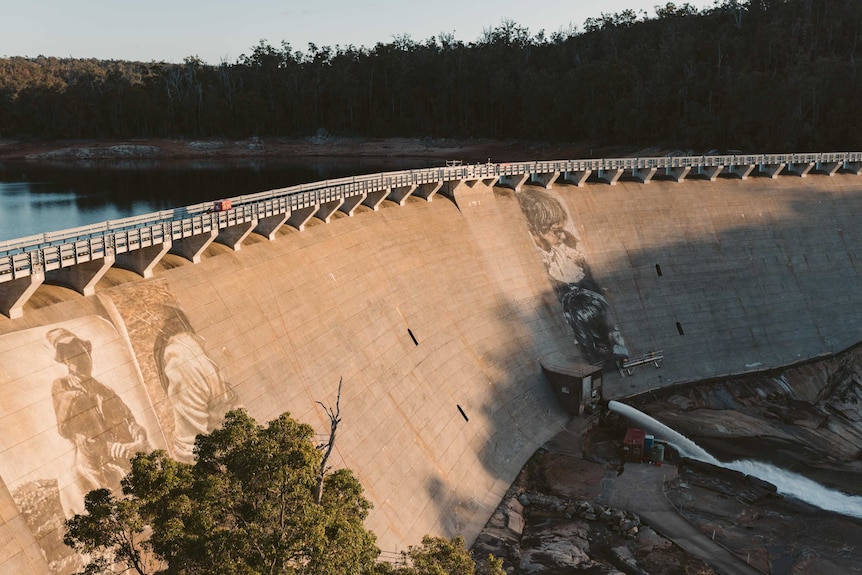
x=633, y=445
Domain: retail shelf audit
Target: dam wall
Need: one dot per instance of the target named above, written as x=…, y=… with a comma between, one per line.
x=436, y=315
x=725, y=277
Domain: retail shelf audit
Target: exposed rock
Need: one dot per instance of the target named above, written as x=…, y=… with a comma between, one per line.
x=807, y=418
x=515, y=516
x=648, y=540
x=207, y=145
x=543, y=533
x=624, y=555
x=99, y=153
x=554, y=547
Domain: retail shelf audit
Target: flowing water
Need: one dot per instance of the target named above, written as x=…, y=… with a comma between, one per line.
x=786, y=482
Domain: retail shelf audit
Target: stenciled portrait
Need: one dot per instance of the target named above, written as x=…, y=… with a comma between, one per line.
x=75, y=411
x=585, y=309
x=189, y=391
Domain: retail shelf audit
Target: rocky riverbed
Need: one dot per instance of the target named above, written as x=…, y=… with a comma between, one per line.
x=555, y=520
x=570, y=512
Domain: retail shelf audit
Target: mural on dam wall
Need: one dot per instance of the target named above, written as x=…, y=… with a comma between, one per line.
x=74, y=412
x=188, y=390
x=82, y=396
x=584, y=307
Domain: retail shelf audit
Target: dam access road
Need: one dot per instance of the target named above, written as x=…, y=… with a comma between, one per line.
x=437, y=315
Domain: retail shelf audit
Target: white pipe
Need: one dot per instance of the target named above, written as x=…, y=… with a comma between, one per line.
x=786, y=482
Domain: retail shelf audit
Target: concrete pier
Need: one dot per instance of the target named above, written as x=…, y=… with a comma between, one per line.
x=677, y=174
x=233, y=236
x=544, y=180
x=610, y=176
x=82, y=277
x=741, y=171
x=644, y=175
x=710, y=173
x=14, y=294
x=576, y=178
x=142, y=261
x=192, y=247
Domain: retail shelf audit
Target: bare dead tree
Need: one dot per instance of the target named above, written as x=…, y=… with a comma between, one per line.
x=334, y=420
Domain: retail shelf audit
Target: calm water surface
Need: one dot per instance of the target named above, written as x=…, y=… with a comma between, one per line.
x=40, y=197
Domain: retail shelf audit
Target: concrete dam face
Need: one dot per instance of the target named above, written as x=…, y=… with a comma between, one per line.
x=437, y=315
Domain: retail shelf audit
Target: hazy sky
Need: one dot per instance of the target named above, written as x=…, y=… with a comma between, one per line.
x=222, y=30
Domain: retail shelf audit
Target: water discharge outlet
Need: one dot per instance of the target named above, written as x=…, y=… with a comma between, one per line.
x=786, y=482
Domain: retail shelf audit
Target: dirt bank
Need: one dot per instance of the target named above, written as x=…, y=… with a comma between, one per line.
x=466, y=150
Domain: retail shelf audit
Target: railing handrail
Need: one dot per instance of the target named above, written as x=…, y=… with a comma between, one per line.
x=18, y=256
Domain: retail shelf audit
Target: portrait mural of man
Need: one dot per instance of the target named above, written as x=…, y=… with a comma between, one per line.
x=89, y=414
x=74, y=411
x=584, y=307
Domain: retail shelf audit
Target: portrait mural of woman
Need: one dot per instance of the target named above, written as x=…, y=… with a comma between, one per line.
x=584, y=307
x=198, y=395
x=189, y=392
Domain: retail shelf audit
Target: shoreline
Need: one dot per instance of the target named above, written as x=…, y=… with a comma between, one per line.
x=466, y=150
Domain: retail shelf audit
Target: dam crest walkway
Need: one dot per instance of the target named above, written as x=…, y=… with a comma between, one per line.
x=77, y=258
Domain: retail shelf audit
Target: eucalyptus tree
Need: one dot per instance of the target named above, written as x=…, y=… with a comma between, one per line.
x=246, y=506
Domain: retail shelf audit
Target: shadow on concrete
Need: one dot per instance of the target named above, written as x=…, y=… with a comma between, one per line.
x=755, y=275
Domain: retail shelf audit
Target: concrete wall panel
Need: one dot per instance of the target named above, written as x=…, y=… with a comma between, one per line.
x=759, y=273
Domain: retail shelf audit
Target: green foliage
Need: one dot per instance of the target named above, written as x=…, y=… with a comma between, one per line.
x=441, y=556
x=245, y=507
x=112, y=531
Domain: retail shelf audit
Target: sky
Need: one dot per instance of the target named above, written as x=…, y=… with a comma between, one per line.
x=222, y=30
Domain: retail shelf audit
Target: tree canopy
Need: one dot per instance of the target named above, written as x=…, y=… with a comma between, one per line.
x=249, y=505
x=441, y=556
x=766, y=75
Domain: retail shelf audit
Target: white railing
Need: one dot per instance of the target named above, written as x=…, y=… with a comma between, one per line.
x=52, y=250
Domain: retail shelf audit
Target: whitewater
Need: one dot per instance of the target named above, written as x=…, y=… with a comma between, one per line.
x=786, y=482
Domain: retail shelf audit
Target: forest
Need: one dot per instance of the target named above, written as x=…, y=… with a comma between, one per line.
x=752, y=75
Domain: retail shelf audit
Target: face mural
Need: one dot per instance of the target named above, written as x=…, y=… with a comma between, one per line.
x=585, y=310
x=81, y=397
x=187, y=386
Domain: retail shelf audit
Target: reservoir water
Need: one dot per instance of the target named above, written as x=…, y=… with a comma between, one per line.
x=47, y=197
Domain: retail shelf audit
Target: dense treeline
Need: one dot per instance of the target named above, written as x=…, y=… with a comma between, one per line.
x=763, y=75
